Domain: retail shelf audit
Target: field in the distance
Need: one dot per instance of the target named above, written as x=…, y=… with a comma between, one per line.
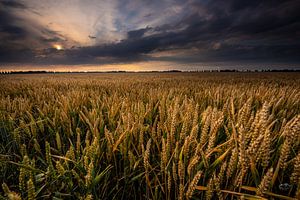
x=150, y=136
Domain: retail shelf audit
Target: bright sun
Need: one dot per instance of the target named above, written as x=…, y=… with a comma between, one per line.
x=58, y=47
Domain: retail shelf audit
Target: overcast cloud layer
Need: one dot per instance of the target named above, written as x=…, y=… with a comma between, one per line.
x=129, y=31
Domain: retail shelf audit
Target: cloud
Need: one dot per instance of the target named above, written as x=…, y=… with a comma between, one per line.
x=137, y=33
x=245, y=35
x=12, y=4
x=22, y=37
x=129, y=31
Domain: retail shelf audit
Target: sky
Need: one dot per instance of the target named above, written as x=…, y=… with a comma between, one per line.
x=149, y=34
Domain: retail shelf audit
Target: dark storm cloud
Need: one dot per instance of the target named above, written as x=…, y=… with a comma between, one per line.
x=12, y=4
x=10, y=33
x=13, y=32
x=8, y=19
x=137, y=33
x=232, y=30
x=214, y=30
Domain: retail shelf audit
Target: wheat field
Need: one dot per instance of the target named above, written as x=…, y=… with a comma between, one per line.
x=150, y=136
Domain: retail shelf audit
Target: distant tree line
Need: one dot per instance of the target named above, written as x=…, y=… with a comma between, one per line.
x=166, y=71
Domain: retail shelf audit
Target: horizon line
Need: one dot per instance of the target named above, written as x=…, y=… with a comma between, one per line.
x=143, y=71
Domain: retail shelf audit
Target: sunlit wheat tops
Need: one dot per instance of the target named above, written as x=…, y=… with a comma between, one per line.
x=150, y=136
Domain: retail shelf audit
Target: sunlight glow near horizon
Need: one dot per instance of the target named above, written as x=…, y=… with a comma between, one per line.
x=58, y=47
x=134, y=67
